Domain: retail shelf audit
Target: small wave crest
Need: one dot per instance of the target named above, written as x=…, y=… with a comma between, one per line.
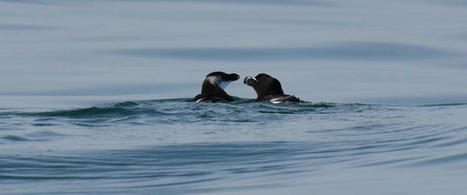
x=180, y=111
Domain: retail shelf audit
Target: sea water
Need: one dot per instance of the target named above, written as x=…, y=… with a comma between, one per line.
x=95, y=97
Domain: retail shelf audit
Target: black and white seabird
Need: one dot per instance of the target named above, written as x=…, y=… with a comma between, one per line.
x=268, y=88
x=213, y=87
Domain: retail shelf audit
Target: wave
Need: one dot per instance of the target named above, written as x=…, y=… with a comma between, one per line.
x=177, y=144
x=183, y=110
x=369, y=51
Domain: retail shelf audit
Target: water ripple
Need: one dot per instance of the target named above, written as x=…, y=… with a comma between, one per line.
x=176, y=111
x=289, y=139
x=23, y=27
x=341, y=51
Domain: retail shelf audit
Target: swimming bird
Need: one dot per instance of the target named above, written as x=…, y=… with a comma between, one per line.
x=268, y=88
x=213, y=87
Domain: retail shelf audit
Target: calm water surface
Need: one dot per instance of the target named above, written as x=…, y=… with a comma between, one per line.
x=95, y=97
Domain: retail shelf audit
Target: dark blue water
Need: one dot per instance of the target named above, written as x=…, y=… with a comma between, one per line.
x=95, y=97
x=176, y=146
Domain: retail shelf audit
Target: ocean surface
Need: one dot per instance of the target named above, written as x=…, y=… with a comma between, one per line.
x=95, y=97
